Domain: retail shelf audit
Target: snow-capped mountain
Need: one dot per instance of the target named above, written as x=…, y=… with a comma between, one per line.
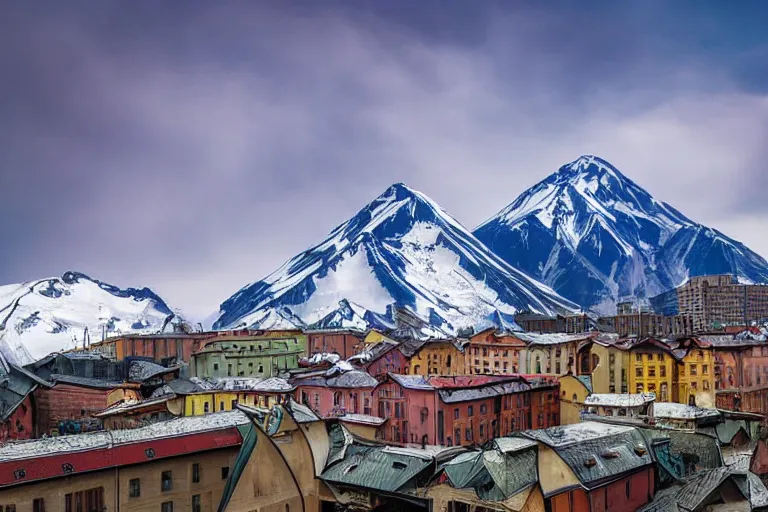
x=400, y=251
x=596, y=237
x=43, y=316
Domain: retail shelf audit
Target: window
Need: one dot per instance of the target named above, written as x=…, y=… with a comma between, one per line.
x=166, y=481
x=639, y=358
x=651, y=371
x=224, y=472
x=134, y=488
x=166, y=506
x=483, y=409
x=457, y=434
x=195, y=473
x=456, y=414
x=193, y=408
x=628, y=488
x=692, y=369
x=663, y=371
x=215, y=367
x=38, y=505
x=660, y=357
x=261, y=368
x=10, y=508
x=650, y=357
x=482, y=430
x=557, y=367
x=221, y=405
x=706, y=385
x=705, y=369
x=638, y=372
x=470, y=411
x=196, y=504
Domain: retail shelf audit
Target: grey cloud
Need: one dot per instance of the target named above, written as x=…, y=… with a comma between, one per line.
x=194, y=150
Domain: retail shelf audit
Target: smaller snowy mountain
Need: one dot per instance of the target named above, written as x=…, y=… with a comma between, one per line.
x=400, y=251
x=43, y=316
x=596, y=237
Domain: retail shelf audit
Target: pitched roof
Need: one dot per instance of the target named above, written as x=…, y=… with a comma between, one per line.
x=417, y=382
x=671, y=410
x=586, y=380
x=362, y=419
x=451, y=396
x=348, y=379
x=15, y=385
x=555, y=338
x=596, y=452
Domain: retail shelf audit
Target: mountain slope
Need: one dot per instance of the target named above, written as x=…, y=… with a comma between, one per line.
x=43, y=316
x=596, y=237
x=401, y=250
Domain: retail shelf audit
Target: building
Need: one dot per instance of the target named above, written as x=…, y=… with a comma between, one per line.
x=261, y=356
x=531, y=322
x=383, y=357
x=618, y=405
x=162, y=348
x=574, y=390
x=491, y=351
x=714, y=301
x=553, y=354
x=336, y=393
x=343, y=342
x=695, y=372
x=605, y=359
x=637, y=324
x=463, y=410
x=225, y=393
x=594, y=466
x=17, y=403
x=182, y=464
x=435, y=357
x=685, y=417
x=741, y=371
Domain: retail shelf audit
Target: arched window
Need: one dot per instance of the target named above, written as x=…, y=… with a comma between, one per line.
x=337, y=399
x=575, y=397
x=595, y=361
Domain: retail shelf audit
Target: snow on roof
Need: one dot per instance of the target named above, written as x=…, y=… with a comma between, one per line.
x=364, y=419
x=619, y=400
x=105, y=439
x=555, y=338
x=271, y=384
x=567, y=435
x=323, y=357
x=130, y=405
x=513, y=444
x=412, y=381
x=681, y=411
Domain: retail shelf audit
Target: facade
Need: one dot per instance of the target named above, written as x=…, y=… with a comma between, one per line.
x=383, y=357
x=713, y=301
x=606, y=360
x=438, y=357
x=493, y=352
x=552, y=354
x=249, y=356
x=17, y=403
x=341, y=342
x=337, y=394
x=696, y=373
x=637, y=324
x=463, y=410
x=149, y=470
x=162, y=348
x=741, y=372
x=574, y=390
x=224, y=394
x=653, y=369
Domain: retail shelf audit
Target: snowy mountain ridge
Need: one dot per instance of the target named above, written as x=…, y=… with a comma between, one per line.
x=596, y=237
x=47, y=315
x=401, y=250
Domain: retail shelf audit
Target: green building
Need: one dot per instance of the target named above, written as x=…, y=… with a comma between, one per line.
x=249, y=356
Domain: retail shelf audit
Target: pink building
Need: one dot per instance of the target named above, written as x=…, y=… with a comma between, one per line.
x=336, y=394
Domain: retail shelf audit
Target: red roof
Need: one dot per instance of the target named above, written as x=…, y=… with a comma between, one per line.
x=468, y=381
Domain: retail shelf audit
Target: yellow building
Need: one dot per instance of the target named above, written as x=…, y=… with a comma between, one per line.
x=375, y=336
x=216, y=395
x=573, y=391
x=696, y=374
x=437, y=357
x=652, y=369
x=606, y=360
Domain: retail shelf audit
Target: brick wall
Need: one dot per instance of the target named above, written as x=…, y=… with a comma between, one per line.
x=67, y=403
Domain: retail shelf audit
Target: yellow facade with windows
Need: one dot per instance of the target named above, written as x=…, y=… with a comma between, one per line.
x=651, y=370
x=696, y=378
x=573, y=392
x=608, y=366
x=438, y=358
x=203, y=403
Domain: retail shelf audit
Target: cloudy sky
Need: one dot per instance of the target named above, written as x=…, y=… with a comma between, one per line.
x=193, y=147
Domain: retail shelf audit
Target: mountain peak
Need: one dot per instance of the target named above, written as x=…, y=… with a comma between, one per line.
x=595, y=236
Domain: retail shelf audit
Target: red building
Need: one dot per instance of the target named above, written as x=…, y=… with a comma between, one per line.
x=336, y=394
x=343, y=342
x=17, y=404
x=463, y=410
x=382, y=358
x=741, y=372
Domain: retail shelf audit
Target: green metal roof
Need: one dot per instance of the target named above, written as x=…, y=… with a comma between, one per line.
x=375, y=468
x=243, y=456
x=586, y=380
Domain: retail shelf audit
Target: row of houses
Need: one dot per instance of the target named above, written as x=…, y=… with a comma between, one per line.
x=287, y=458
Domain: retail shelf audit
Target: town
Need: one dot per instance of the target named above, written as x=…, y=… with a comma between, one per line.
x=644, y=410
